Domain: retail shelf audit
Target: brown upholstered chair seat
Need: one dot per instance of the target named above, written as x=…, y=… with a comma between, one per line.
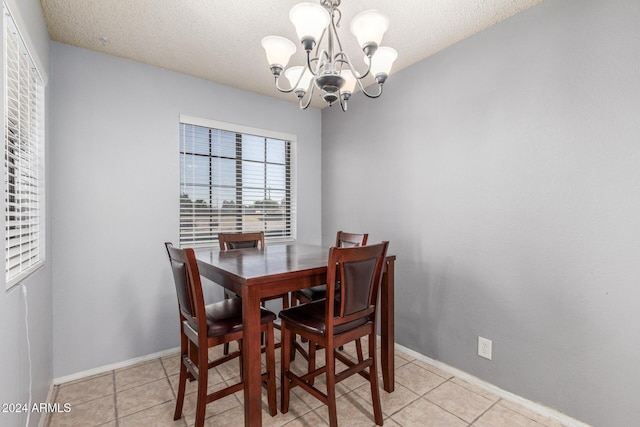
x=311, y=317
x=225, y=317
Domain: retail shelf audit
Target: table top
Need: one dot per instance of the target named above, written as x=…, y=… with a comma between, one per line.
x=253, y=264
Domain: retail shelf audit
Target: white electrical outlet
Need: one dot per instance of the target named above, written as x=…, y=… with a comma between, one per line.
x=484, y=348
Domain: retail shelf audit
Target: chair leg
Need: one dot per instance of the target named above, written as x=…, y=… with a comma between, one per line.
x=293, y=302
x=271, y=370
x=311, y=363
x=359, y=350
x=183, y=377
x=331, y=384
x=225, y=347
x=193, y=354
x=285, y=356
x=240, y=359
x=292, y=348
x=201, y=405
x=373, y=379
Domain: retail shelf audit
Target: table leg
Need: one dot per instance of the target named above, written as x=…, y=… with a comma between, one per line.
x=387, y=315
x=251, y=356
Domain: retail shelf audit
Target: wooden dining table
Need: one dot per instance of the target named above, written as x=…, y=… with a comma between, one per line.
x=276, y=269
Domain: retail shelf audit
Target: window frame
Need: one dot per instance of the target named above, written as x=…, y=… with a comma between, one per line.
x=24, y=147
x=289, y=215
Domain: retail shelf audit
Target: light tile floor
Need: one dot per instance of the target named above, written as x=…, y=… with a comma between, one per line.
x=144, y=395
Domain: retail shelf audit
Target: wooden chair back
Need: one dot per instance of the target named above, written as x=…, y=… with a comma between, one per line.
x=186, y=276
x=241, y=240
x=349, y=240
x=178, y=261
x=359, y=271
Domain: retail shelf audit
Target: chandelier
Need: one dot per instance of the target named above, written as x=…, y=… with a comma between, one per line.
x=330, y=69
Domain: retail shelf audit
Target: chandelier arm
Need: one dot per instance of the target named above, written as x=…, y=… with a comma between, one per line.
x=293, y=87
x=313, y=88
x=335, y=31
x=320, y=42
x=309, y=61
x=347, y=61
x=318, y=58
x=369, y=95
x=339, y=17
x=283, y=90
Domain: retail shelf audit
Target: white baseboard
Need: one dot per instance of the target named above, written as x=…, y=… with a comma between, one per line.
x=111, y=367
x=533, y=406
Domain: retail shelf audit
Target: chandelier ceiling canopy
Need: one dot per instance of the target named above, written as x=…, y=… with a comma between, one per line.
x=330, y=69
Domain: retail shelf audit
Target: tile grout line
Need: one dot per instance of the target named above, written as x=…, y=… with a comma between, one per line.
x=143, y=384
x=166, y=374
x=485, y=411
x=115, y=397
x=424, y=396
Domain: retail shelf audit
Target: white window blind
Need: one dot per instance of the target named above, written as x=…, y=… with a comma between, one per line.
x=24, y=157
x=234, y=179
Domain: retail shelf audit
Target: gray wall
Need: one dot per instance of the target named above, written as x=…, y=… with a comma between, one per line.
x=14, y=355
x=505, y=172
x=116, y=192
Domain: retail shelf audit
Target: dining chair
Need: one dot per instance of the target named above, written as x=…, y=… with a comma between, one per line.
x=205, y=326
x=315, y=293
x=229, y=241
x=333, y=322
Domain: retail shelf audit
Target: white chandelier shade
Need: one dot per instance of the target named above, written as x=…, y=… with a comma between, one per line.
x=330, y=69
x=382, y=61
x=369, y=27
x=310, y=20
x=278, y=49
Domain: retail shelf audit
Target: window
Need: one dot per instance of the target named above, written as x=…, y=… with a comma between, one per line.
x=234, y=179
x=23, y=157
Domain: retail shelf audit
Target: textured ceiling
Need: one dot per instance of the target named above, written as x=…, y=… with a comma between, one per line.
x=219, y=40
